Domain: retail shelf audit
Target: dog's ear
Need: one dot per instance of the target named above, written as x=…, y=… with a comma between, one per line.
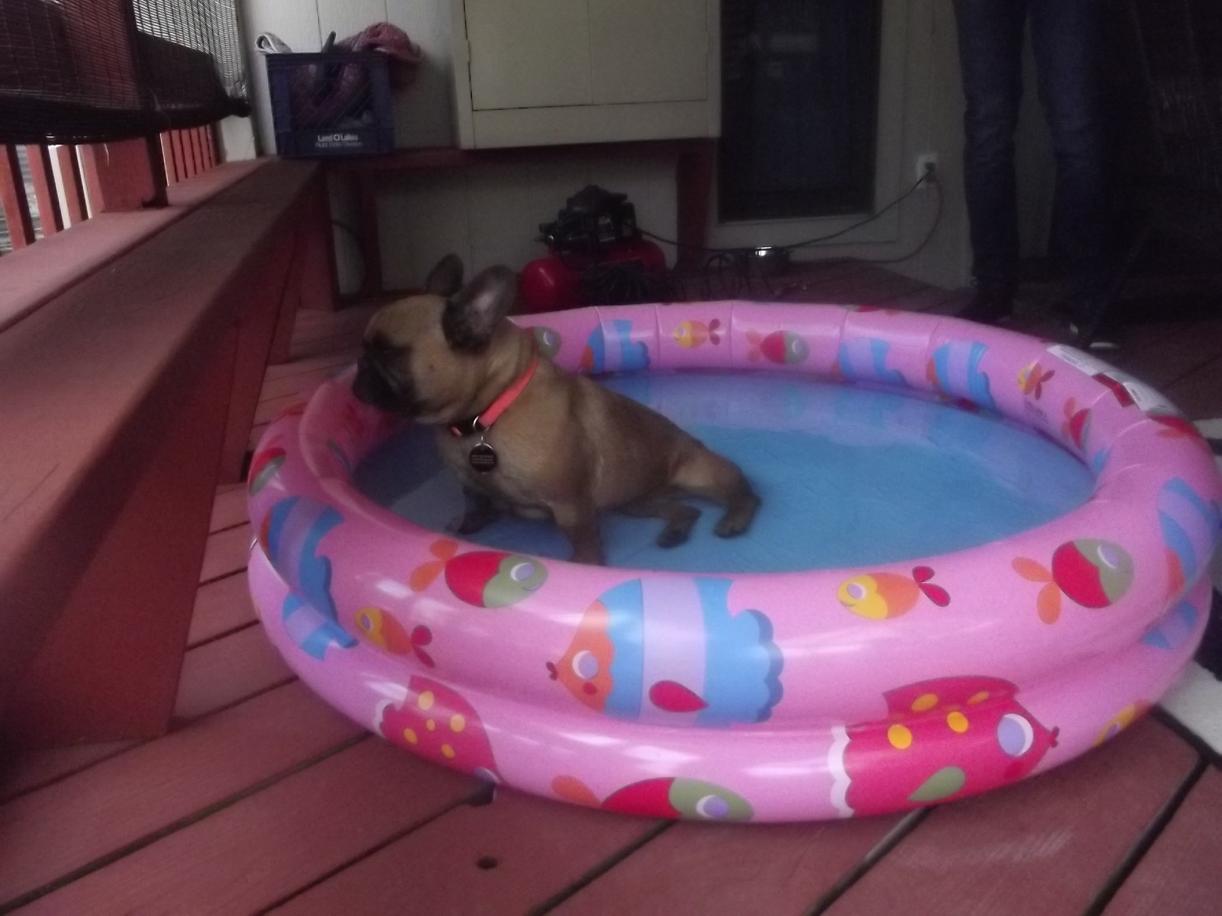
x=445, y=279
x=472, y=315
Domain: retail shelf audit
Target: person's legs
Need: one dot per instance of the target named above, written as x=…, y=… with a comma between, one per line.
x=1067, y=40
x=990, y=57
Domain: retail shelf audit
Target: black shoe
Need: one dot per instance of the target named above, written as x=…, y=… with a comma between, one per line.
x=989, y=304
x=1087, y=324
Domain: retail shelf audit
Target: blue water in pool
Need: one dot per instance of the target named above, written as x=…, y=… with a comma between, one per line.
x=848, y=476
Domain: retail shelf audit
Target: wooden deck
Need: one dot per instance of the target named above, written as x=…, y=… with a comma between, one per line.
x=262, y=798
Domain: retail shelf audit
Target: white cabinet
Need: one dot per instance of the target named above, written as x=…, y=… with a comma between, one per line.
x=538, y=72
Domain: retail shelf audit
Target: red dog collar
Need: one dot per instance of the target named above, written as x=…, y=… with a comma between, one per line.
x=484, y=421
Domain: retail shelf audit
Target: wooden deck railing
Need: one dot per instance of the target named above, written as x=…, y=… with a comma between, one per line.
x=44, y=189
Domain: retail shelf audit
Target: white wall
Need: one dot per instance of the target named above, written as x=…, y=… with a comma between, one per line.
x=490, y=214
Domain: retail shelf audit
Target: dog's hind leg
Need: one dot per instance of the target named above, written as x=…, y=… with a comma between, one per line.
x=705, y=473
x=679, y=517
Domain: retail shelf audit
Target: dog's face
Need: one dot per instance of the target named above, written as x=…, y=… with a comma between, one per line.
x=423, y=357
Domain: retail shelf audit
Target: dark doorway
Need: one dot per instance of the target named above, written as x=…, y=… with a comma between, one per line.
x=799, y=107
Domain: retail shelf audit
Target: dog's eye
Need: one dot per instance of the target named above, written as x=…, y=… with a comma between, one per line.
x=585, y=665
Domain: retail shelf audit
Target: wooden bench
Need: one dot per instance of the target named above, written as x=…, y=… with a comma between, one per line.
x=124, y=400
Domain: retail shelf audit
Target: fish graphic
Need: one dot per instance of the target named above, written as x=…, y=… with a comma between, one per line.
x=864, y=359
x=675, y=797
x=1123, y=720
x=547, y=340
x=1031, y=379
x=1077, y=424
x=954, y=370
x=264, y=466
x=692, y=333
x=878, y=596
x=784, y=348
x=610, y=348
x=436, y=723
x=1189, y=526
x=482, y=578
x=1088, y=571
x=921, y=753
x=1174, y=628
x=627, y=661
x=387, y=633
x=291, y=533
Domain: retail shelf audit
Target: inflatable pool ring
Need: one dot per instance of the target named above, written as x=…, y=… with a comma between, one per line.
x=751, y=696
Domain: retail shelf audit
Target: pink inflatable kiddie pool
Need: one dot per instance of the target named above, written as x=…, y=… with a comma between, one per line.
x=822, y=671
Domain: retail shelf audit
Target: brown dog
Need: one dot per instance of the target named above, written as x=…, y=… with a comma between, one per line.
x=564, y=447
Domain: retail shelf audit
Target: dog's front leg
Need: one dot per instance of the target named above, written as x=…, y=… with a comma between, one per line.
x=478, y=512
x=579, y=522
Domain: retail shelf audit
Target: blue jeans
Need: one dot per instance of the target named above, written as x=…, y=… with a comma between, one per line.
x=1066, y=39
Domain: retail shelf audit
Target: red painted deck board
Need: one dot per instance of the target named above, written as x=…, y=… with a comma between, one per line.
x=32, y=769
x=221, y=606
x=1051, y=842
x=333, y=361
x=267, y=846
x=1197, y=393
x=229, y=507
x=301, y=385
x=226, y=670
x=68, y=825
x=539, y=847
x=271, y=408
x=1181, y=875
x=226, y=552
x=713, y=869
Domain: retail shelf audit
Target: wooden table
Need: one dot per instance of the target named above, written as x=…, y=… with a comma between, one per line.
x=693, y=161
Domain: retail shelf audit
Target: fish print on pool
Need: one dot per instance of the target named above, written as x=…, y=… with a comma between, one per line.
x=385, y=632
x=785, y=348
x=932, y=747
x=547, y=340
x=437, y=724
x=877, y=596
x=691, y=333
x=1189, y=526
x=264, y=466
x=481, y=578
x=1088, y=571
x=670, y=651
x=674, y=797
x=610, y=348
x=290, y=535
x=864, y=359
x=954, y=370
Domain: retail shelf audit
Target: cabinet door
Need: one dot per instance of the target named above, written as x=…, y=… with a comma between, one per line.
x=528, y=53
x=646, y=51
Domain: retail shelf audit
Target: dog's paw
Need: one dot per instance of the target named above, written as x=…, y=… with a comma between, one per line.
x=732, y=525
x=673, y=537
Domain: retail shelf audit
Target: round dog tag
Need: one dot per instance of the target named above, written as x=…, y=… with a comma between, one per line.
x=482, y=457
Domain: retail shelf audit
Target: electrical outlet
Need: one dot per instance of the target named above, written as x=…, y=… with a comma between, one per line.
x=926, y=163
